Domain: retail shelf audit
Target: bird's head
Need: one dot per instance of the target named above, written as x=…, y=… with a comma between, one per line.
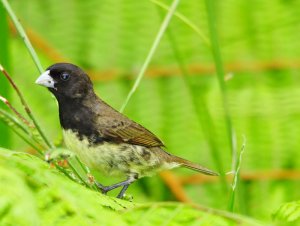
x=66, y=81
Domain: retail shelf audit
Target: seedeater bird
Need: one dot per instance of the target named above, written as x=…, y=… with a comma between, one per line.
x=103, y=138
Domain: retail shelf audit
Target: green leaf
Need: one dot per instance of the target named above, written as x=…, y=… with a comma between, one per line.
x=288, y=212
x=12, y=122
x=32, y=193
x=183, y=214
x=22, y=130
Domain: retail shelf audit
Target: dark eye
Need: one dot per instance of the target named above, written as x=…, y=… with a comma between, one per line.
x=64, y=76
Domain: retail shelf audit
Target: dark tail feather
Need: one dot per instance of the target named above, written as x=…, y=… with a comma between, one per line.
x=190, y=165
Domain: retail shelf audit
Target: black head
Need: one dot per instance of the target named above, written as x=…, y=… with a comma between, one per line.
x=66, y=81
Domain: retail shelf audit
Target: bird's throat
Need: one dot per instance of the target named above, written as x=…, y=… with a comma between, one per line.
x=79, y=117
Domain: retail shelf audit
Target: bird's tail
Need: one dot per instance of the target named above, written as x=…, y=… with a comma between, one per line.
x=190, y=165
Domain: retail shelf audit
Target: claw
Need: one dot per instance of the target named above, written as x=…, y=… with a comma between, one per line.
x=125, y=184
x=102, y=188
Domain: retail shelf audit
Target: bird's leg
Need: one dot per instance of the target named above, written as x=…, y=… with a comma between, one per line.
x=100, y=186
x=122, y=192
x=125, y=185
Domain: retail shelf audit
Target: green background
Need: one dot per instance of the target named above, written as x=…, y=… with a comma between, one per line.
x=110, y=39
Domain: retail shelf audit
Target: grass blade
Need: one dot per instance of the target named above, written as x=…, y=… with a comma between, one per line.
x=154, y=46
x=35, y=58
x=27, y=109
x=220, y=74
x=12, y=122
x=185, y=20
x=7, y=103
x=236, y=177
x=23, y=35
x=18, y=128
x=203, y=115
x=5, y=59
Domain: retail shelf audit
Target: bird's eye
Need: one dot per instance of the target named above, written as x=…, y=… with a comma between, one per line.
x=64, y=76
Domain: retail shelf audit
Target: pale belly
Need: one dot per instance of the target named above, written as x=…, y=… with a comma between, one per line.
x=116, y=159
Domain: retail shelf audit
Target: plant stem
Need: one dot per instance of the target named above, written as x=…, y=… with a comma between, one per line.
x=27, y=109
x=236, y=177
x=81, y=165
x=17, y=128
x=28, y=142
x=23, y=35
x=5, y=59
x=7, y=103
x=220, y=73
x=78, y=174
x=154, y=46
x=86, y=171
x=35, y=58
x=14, y=121
x=202, y=112
x=185, y=20
x=61, y=169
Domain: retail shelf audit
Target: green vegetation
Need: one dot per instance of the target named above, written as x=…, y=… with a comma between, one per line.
x=218, y=81
x=47, y=198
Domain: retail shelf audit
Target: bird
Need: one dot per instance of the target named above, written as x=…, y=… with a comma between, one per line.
x=103, y=138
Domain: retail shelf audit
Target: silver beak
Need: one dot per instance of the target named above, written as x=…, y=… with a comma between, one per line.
x=45, y=80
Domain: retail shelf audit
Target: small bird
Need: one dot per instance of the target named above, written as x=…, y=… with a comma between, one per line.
x=103, y=138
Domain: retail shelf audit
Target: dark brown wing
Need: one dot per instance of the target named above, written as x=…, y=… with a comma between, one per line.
x=124, y=130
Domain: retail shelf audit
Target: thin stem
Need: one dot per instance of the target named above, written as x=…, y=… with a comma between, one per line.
x=236, y=177
x=35, y=58
x=185, y=20
x=5, y=58
x=86, y=171
x=14, y=121
x=202, y=112
x=81, y=165
x=17, y=127
x=61, y=169
x=27, y=109
x=220, y=74
x=23, y=35
x=27, y=141
x=7, y=103
x=153, y=48
x=78, y=174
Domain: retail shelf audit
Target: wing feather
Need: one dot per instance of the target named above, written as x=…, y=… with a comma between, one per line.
x=127, y=131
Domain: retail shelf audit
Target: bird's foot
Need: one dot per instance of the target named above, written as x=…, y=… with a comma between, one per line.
x=102, y=188
x=105, y=189
x=122, y=192
x=125, y=184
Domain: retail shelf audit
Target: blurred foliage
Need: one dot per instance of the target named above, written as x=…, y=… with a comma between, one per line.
x=36, y=195
x=110, y=39
x=288, y=212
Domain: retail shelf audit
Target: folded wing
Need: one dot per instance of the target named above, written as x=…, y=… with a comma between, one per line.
x=126, y=131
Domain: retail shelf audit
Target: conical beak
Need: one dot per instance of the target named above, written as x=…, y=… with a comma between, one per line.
x=45, y=80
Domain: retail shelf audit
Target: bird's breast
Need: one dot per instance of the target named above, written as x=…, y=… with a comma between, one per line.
x=114, y=158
